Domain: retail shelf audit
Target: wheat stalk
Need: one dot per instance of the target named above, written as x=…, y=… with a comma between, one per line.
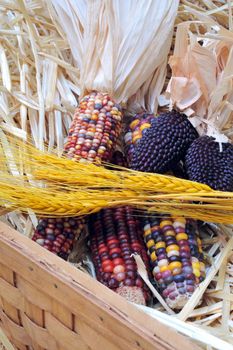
x=57, y=186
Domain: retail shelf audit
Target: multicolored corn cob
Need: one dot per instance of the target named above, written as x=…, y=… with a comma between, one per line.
x=176, y=257
x=92, y=137
x=58, y=235
x=95, y=129
x=140, y=123
x=115, y=236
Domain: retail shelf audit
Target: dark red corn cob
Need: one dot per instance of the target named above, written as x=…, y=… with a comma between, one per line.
x=176, y=257
x=115, y=236
x=58, y=235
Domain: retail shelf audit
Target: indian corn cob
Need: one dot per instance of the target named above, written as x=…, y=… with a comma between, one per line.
x=176, y=257
x=58, y=235
x=92, y=138
x=164, y=143
x=137, y=128
x=115, y=234
x=173, y=246
x=206, y=163
x=95, y=129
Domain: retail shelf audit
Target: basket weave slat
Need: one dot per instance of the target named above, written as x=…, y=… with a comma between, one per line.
x=13, y=330
x=40, y=335
x=48, y=304
x=12, y=295
x=67, y=337
x=10, y=313
x=8, y=276
x=35, y=296
x=33, y=320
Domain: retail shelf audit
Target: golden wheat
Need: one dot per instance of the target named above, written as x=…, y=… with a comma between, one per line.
x=53, y=186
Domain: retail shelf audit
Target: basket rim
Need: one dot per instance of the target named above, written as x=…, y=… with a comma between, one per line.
x=69, y=286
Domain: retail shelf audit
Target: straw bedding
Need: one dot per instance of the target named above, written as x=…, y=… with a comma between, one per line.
x=38, y=95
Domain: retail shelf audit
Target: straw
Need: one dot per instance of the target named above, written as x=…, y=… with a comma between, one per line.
x=39, y=88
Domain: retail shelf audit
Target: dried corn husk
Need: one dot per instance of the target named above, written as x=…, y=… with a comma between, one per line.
x=4, y=342
x=116, y=45
x=201, y=81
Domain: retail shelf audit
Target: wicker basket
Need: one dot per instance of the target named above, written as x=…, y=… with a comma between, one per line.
x=49, y=304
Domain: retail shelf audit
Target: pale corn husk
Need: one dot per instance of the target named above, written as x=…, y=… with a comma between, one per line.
x=203, y=337
x=102, y=48
x=4, y=342
x=201, y=81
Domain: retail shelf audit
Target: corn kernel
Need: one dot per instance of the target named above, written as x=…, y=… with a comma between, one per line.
x=175, y=265
x=164, y=268
x=180, y=220
x=163, y=262
x=153, y=256
x=147, y=232
x=136, y=133
x=194, y=259
x=134, y=124
x=154, y=228
x=94, y=117
x=196, y=265
x=156, y=270
x=144, y=126
x=181, y=236
x=135, y=138
x=170, y=233
x=165, y=223
x=176, y=271
x=160, y=245
x=172, y=253
x=178, y=224
x=172, y=247
x=150, y=243
x=197, y=272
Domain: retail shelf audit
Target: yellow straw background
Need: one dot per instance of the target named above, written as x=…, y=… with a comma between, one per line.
x=53, y=186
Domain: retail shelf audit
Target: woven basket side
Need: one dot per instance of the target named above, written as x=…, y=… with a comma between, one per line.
x=11, y=302
x=48, y=304
x=32, y=319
